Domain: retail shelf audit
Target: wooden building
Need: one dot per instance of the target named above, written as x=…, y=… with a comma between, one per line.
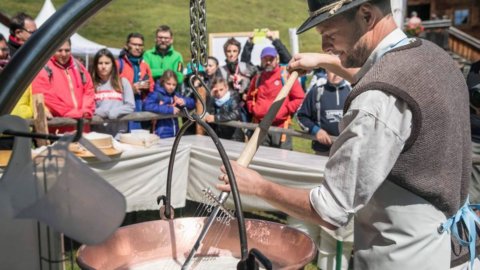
x=464, y=14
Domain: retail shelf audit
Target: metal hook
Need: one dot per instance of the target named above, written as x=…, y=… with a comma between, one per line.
x=197, y=95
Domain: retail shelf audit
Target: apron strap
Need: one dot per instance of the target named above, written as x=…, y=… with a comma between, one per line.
x=467, y=215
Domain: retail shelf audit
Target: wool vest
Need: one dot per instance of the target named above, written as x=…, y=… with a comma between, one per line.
x=436, y=160
x=435, y=163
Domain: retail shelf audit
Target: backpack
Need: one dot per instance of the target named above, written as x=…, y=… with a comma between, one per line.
x=77, y=66
x=320, y=89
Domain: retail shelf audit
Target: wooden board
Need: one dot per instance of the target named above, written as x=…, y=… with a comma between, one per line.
x=5, y=157
x=79, y=151
x=40, y=118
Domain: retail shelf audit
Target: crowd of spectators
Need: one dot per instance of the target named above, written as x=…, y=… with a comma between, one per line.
x=156, y=80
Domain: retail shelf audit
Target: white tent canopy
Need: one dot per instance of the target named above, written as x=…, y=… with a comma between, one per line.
x=80, y=45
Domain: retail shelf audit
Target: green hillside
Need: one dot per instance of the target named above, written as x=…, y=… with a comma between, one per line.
x=111, y=25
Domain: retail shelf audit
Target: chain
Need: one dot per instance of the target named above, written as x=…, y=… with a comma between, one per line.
x=198, y=34
x=198, y=48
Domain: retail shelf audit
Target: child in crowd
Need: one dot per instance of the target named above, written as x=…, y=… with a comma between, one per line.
x=213, y=70
x=226, y=107
x=164, y=100
x=113, y=94
x=322, y=110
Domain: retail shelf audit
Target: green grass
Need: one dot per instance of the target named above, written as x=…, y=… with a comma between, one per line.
x=111, y=25
x=300, y=144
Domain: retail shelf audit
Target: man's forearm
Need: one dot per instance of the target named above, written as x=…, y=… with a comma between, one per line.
x=293, y=201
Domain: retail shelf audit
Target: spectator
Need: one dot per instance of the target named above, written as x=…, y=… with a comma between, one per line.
x=132, y=66
x=212, y=70
x=163, y=56
x=264, y=89
x=283, y=53
x=319, y=77
x=4, y=52
x=22, y=26
x=23, y=108
x=322, y=111
x=237, y=73
x=226, y=108
x=113, y=94
x=164, y=100
x=414, y=25
x=66, y=86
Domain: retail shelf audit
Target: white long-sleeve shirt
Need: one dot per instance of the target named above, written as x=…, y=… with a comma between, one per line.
x=373, y=133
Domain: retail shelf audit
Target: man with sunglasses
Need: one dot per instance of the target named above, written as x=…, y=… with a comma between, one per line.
x=22, y=26
x=132, y=66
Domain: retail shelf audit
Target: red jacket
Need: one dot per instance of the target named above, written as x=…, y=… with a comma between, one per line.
x=260, y=99
x=126, y=70
x=65, y=99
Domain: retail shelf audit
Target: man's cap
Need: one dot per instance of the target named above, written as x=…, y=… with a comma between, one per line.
x=321, y=10
x=268, y=51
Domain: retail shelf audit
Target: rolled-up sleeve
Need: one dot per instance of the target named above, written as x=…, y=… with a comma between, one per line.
x=374, y=131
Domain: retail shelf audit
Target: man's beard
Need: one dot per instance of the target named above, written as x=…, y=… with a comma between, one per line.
x=357, y=57
x=268, y=68
x=359, y=53
x=163, y=50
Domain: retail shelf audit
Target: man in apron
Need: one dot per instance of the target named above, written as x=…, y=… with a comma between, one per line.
x=402, y=161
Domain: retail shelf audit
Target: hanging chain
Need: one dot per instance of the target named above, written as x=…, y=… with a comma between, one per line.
x=198, y=48
x=198, y=34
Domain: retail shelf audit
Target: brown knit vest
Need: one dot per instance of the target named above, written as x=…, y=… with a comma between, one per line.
x=436, y=161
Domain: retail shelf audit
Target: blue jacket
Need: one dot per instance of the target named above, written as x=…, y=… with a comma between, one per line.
x=323, y=109
x=159, y=101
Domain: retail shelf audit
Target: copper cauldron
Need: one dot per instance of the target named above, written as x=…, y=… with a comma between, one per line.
x=138, y=246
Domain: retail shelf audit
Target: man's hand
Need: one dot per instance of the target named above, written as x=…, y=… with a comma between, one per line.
x=140, y=86
x=248, y=181
x=323, y=137
x=304, y=62
x=270, y=35
x=136, y=88
x=250, y=37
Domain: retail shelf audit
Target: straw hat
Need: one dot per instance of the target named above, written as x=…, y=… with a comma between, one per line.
x=321, y=10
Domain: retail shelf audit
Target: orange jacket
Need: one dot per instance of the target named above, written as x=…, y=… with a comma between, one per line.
x=125, y=69
x=68, y=91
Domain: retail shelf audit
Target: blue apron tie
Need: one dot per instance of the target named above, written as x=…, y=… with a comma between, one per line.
x=469, y=217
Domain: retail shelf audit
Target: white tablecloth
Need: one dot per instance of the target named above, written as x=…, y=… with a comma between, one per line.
x=141, y=174
x=281, y=166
